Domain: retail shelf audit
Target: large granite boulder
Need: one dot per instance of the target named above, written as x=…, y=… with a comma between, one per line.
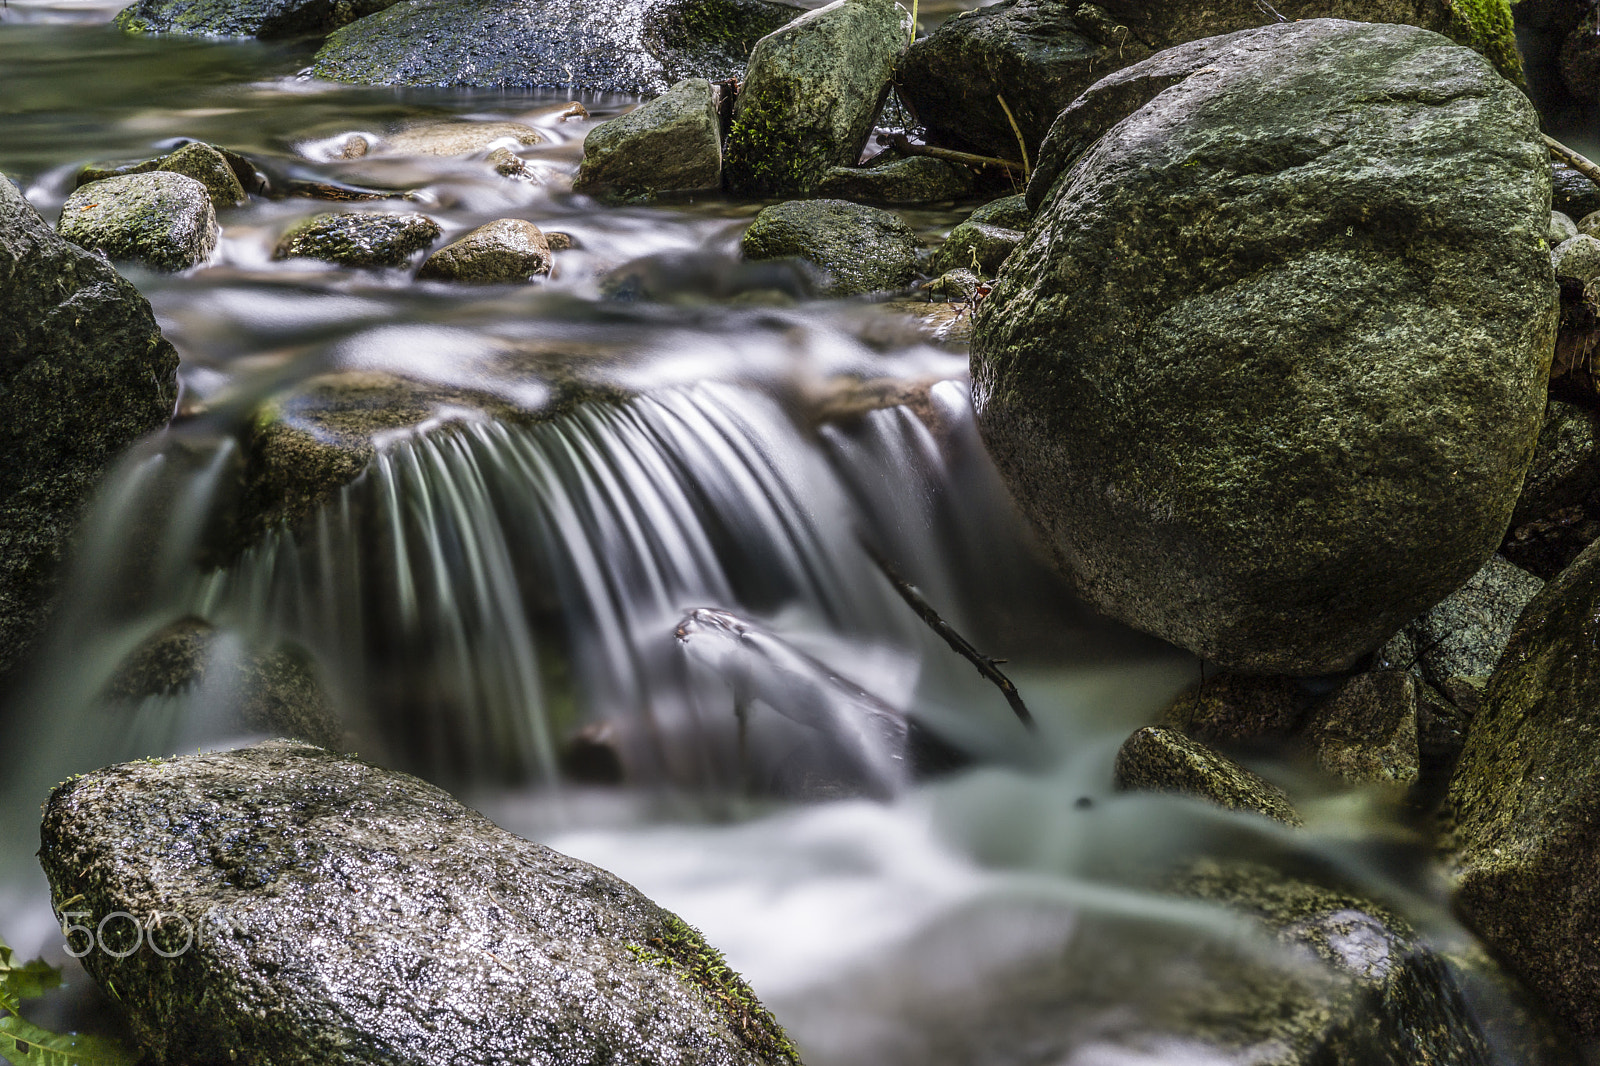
x=1268, y=368
x=345, y=914
x=621, y=46
x=1526, y=800
x=1040, y=54
x=245, y=18
x=810, y=95
x=83, y=372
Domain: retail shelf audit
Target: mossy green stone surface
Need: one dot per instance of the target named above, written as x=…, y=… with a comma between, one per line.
x=161, y=219
x=358, y=239
x=913, y=180
x=670, y=144
x=1154, y=759
x=859, y=249
x=1270, y=362
x=244, y=18
x=84, y=371
x=624, y=46
x=1525, y=799
x=505, y=250
x=206, y=165
x=810, y=94
x=347, y=915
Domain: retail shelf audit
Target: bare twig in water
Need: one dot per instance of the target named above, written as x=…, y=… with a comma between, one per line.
x=903, y=143
x=1027, y=171
x=1572, y=159
x=959, y=644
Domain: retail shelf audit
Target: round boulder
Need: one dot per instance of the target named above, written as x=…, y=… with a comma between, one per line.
x=859, y=249
x=507, y=249
x=161, y=219
x=1269, y=365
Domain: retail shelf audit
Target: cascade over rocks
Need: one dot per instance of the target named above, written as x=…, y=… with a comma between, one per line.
x=83, y=372
x=1040, y=54
x=348, y=914
x=1270, y=363
x=810, y=95
x=619, y=46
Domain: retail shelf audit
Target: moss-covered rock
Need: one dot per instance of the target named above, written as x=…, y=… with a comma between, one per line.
x=245, y=18
x=335, y=906
x=977, y=246
x=1237, y=709
x=1270, y=363
x=1154, y=759
x=206, y=165
x=1525, y=799
x=810, y=94
x=1039, y=55
x=84, y=371
x=1558, y=512
x=161, y=219
x=624, y=46
x=505, y=250
x=358, y=239
x=912, y=180
x=671, y=144
x=274, y=692
x=858, y=249
x=1365, y=731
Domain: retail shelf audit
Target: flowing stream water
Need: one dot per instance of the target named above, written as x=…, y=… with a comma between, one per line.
x=490, y=589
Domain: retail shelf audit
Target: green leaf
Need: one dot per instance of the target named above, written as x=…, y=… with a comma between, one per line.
x=25, y=1044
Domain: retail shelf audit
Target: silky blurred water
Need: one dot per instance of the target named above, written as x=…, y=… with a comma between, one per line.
x=485, y=590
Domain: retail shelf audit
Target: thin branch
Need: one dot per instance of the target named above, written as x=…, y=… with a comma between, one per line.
x=1027, y=171
x=1572, y=159
x=903, y=143
x=959, y=644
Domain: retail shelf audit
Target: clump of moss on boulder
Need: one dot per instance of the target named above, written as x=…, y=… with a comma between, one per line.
x=161, y=219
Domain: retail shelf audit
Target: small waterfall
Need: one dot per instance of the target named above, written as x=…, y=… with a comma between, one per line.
x=485, y=591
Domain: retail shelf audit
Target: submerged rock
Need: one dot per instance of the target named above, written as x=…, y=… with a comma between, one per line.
x=1525, y=799
x=1163, y=760
x=1290, y=407
x=457, y=138
x=244, y=18
x=161, y=219
x=859, y=249
x=507, y=249
x=358, y=239
x=912, y=180
x=622, y=46
x=345, y=913
x=670, y=144
x=274, y=692
x=810, y=94
x=84, y=371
